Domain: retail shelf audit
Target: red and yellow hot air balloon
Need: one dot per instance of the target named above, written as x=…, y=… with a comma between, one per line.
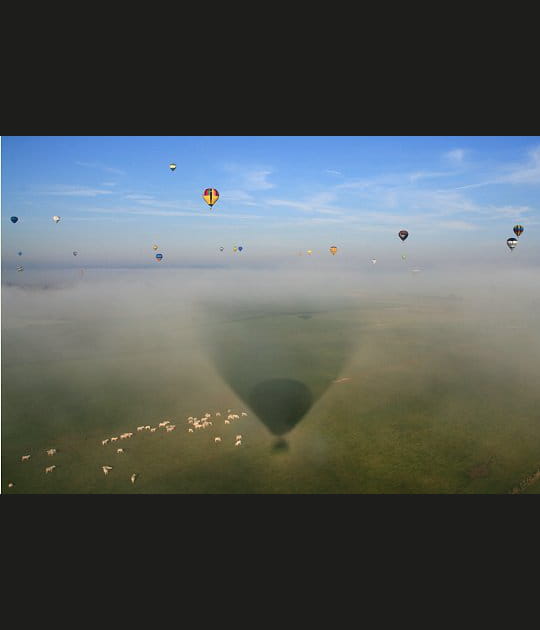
x=210, y=195
x=333, y=249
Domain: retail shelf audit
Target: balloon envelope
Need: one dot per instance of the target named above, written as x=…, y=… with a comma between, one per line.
x=512, y=242
x=403, y=234
x=159, y=256
x=56, y=219
x=75, y=253
x=210, y=195
x=518, y=230
x=221, y=249
x=234, y=248
x=309, y=251
x=19, y=253
x=172, y=166
x=333, y=249
x=14, y=219
x=240, y=248
x=154, y=247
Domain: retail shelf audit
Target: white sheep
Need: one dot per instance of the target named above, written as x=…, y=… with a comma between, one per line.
x=218, y=413
x=105, y=441
x=25, y=458
x=227, y=422
x=119, y=450
x=49, y=469
x=217, y=439
x=190, y=430
x=10, y=485
x=238, y=437
x=114, y=439
x=140, y=428
x=106, y=469
x=244, y=413
x=51, y=451
x=153, y=430
x=133, y=477
x=238, y=443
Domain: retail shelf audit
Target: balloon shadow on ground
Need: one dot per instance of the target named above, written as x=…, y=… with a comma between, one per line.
x=280, y=403
x=279, y=363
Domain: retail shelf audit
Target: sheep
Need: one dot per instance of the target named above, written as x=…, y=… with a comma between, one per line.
x=163, y=424
x=217, y=439
x=207, y=415
x=129, y=435
x=105, y=441
x=238, y=443
x=147, y=427
x=227, y=422
x=10, y=485
x=119, y=450
x=133, y=477
x=238, y=437
x=49, y=469
x=229, y=410
x=114, y=439
x=140, y=428
x=170, y=428
x=106, y=469
x=51, y=451
x=244, y=413
x=25, y=458
x=218, y=413
x=190, y=430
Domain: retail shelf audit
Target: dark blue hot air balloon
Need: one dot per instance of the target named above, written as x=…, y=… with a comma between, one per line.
x=240, y=248
x=14, y=219
x=518, y=230
x=159, y=256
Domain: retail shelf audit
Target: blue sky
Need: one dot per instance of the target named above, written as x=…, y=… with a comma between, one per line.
x=278, y=196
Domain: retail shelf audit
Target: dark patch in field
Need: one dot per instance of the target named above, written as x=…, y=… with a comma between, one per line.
x=280, y=403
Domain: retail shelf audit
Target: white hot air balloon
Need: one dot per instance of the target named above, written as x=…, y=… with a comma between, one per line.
x=56, y=218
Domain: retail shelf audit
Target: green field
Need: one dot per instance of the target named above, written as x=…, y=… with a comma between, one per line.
x=442, y=398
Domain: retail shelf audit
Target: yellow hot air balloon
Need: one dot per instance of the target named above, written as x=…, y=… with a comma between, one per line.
x=210, y=195
x=333, y=249
x=235, y=248
x=154, y=247
x=309, y=251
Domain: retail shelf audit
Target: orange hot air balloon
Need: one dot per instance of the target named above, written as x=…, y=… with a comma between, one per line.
x=333, y=249
x=210, y=195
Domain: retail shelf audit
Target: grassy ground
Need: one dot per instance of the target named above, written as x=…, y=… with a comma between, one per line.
x=430, y=407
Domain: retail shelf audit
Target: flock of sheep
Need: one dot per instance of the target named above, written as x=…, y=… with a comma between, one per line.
x=196, y=424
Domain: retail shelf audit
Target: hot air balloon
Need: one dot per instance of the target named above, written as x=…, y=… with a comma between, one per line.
x=154, y=247
x=210, y=195
x=172, y=166
x=19, y=253
x=333, y=249
x=403, y=257
x=221, y=249
x=75, y=253
x=403, y=234
x=159, y=256
x=518, y=230
x=240, y=248
x=235, y=248
x=14, y=219
x=309, y=252
x=56, y=219
x=373, y=260
x=512, y=242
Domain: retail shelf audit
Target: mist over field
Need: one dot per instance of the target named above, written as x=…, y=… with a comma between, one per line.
x=439, y=369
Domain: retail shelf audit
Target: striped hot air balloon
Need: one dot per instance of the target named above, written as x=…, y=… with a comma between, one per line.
x=518, y=230
x=210, y=195
x=333, y=249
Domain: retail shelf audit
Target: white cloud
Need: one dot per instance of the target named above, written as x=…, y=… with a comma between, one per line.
x=101, y=167
x=332, y=172
x=456, y=156
x=527, y=173
x=77, y=191
x=252, y=178
x=458, y=225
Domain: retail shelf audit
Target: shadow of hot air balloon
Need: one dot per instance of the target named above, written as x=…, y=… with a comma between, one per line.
x=275, y=358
